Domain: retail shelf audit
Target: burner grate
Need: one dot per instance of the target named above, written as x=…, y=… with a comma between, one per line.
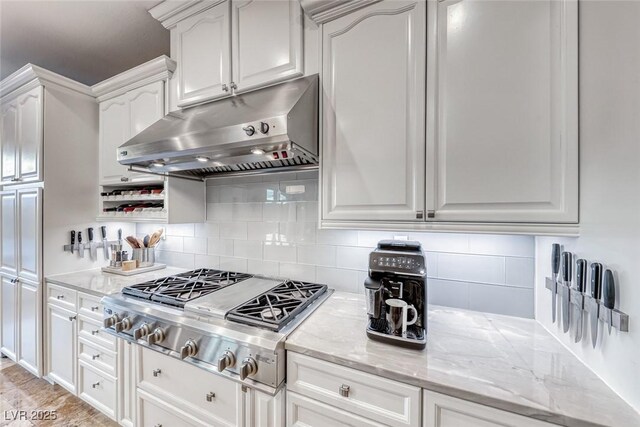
x=278, y=306
x=179, y=289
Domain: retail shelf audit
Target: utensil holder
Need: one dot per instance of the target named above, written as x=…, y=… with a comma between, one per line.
x=144, y=257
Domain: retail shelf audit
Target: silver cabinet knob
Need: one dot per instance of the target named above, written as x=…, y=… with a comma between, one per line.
x=233, y=85
x=72, y=318
x=58, y=297
x=249, y=130
x=156, y=372
x=95, y=385
x=225, y=88
x=344, y=390
x=110, y=321
x=123, y=325
x=249, y=367
x=95, y=308
x=158, y=425
x=210, y=396
x=124, y=179
x=95, y=332
x=142, y=331
x=95, y=356
x=189, y=350
x=227, y=360
x=156, y=337
x=16, y=180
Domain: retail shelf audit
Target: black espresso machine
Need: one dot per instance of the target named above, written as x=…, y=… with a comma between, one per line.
x=396, y=294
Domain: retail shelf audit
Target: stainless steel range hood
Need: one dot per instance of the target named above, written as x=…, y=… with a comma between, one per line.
x=255, y=132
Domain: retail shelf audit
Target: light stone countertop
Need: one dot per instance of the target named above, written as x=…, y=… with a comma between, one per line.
x=505, y=362
x=97, y=282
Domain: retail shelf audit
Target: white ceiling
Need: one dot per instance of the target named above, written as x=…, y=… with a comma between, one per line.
x=88, y=41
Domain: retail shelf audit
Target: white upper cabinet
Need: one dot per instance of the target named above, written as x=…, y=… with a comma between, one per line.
x=8, y=225
x=374, y=113
x=503, y=110
x=9, y=142
x=266, y=42
x=122, y=118
x=22, y=137
x=203, y=47
x=29, y=233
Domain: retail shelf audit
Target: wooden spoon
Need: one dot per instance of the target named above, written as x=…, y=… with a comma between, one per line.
x=132, y=241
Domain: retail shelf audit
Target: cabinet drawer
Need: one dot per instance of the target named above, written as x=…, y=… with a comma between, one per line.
x=61, y=296
x=97, y=388
x=153, y=412
x=380, y=399
x=97, y=357
x=89, y=305
x=303, y=412
x=188, y=386
x=91, y=330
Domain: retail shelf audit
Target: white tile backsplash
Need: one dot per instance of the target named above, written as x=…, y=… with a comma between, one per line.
x=268, y=225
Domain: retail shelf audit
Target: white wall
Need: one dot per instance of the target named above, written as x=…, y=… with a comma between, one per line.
x=256, y=224
x=610, y=185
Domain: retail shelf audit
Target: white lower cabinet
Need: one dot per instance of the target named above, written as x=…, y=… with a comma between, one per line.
x=305, y=412
x=445, y=411
x=28, y=326
x=8, y=296
x=154, y=412
x=127, y=356
x=61, y=333
x=97, y=388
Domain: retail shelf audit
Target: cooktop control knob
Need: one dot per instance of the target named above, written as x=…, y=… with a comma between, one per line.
x=264, y=127
x=156, y=337
x=249, y=367
x=142, y=331
x=189, y=350
x=110, y=321
x=249, y=130
x=227, y=360
x=123, y=325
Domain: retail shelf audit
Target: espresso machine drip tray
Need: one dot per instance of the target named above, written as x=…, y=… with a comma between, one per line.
x=415, y=338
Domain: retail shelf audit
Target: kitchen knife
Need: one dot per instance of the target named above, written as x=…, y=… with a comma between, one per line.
x=581, y=285
x=566, y=279
x=105, y=249
x=93, y=249
x=80, y=245
x=596, y=292
x=555, y=268
x=120, y=236
x=609, y=296
x=73, y=240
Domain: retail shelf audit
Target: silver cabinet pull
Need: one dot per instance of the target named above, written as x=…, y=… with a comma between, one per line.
x=72, y=318
x=233, y=85
x=344, y=390
x=210, y=396
x=96, y=332
x=124, y=179
x=16, y=180
x=95, y=385
x=60, y=297
x=95, y=308
x=95, y=356
x=157, y=372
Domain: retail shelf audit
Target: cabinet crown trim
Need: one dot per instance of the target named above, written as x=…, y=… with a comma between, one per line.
x=321, y=11
x=31, y=72
x=170, y=12
x=159, y=68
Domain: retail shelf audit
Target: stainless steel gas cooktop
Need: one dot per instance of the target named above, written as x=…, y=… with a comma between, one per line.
x=230, y=323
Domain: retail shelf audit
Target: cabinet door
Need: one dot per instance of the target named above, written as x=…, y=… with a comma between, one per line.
x=29, y=233
x=30, y=135
x=203, y=53
x=28, y=336
x=266, y=42
x=146, y=106
x=8, y=316
x=265, y=410
x=62, y=346
x=305, y=412
x=8, y=231
x=9, y=142
x=505, y=134
x=374, y=121
x=445, y=411
x=114, y=131
x=126, y=382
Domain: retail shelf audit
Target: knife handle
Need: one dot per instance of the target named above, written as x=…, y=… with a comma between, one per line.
x=79, y=237
x=103, y=231
x=566, y=266
x=73, y=237
x=596, y=280
x=555, y=259
x=609, y=290
x=581, y=275
x=90, y=233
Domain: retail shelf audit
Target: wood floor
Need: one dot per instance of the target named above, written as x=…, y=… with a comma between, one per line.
x=21, y=391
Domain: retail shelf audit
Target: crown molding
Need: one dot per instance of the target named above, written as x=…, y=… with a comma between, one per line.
x=31, y=72
x=321, y=11
x=159, y=68
x=170, y=12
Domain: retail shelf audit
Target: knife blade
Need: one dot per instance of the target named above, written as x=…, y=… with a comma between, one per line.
x=80, y=245
x=609, y=296
x=120, y=236
x=566, y=279
x=581, y=285
x=555, y=269
x=105, y=249
x=73, y=240
x=596, y=292
x=93, y=249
